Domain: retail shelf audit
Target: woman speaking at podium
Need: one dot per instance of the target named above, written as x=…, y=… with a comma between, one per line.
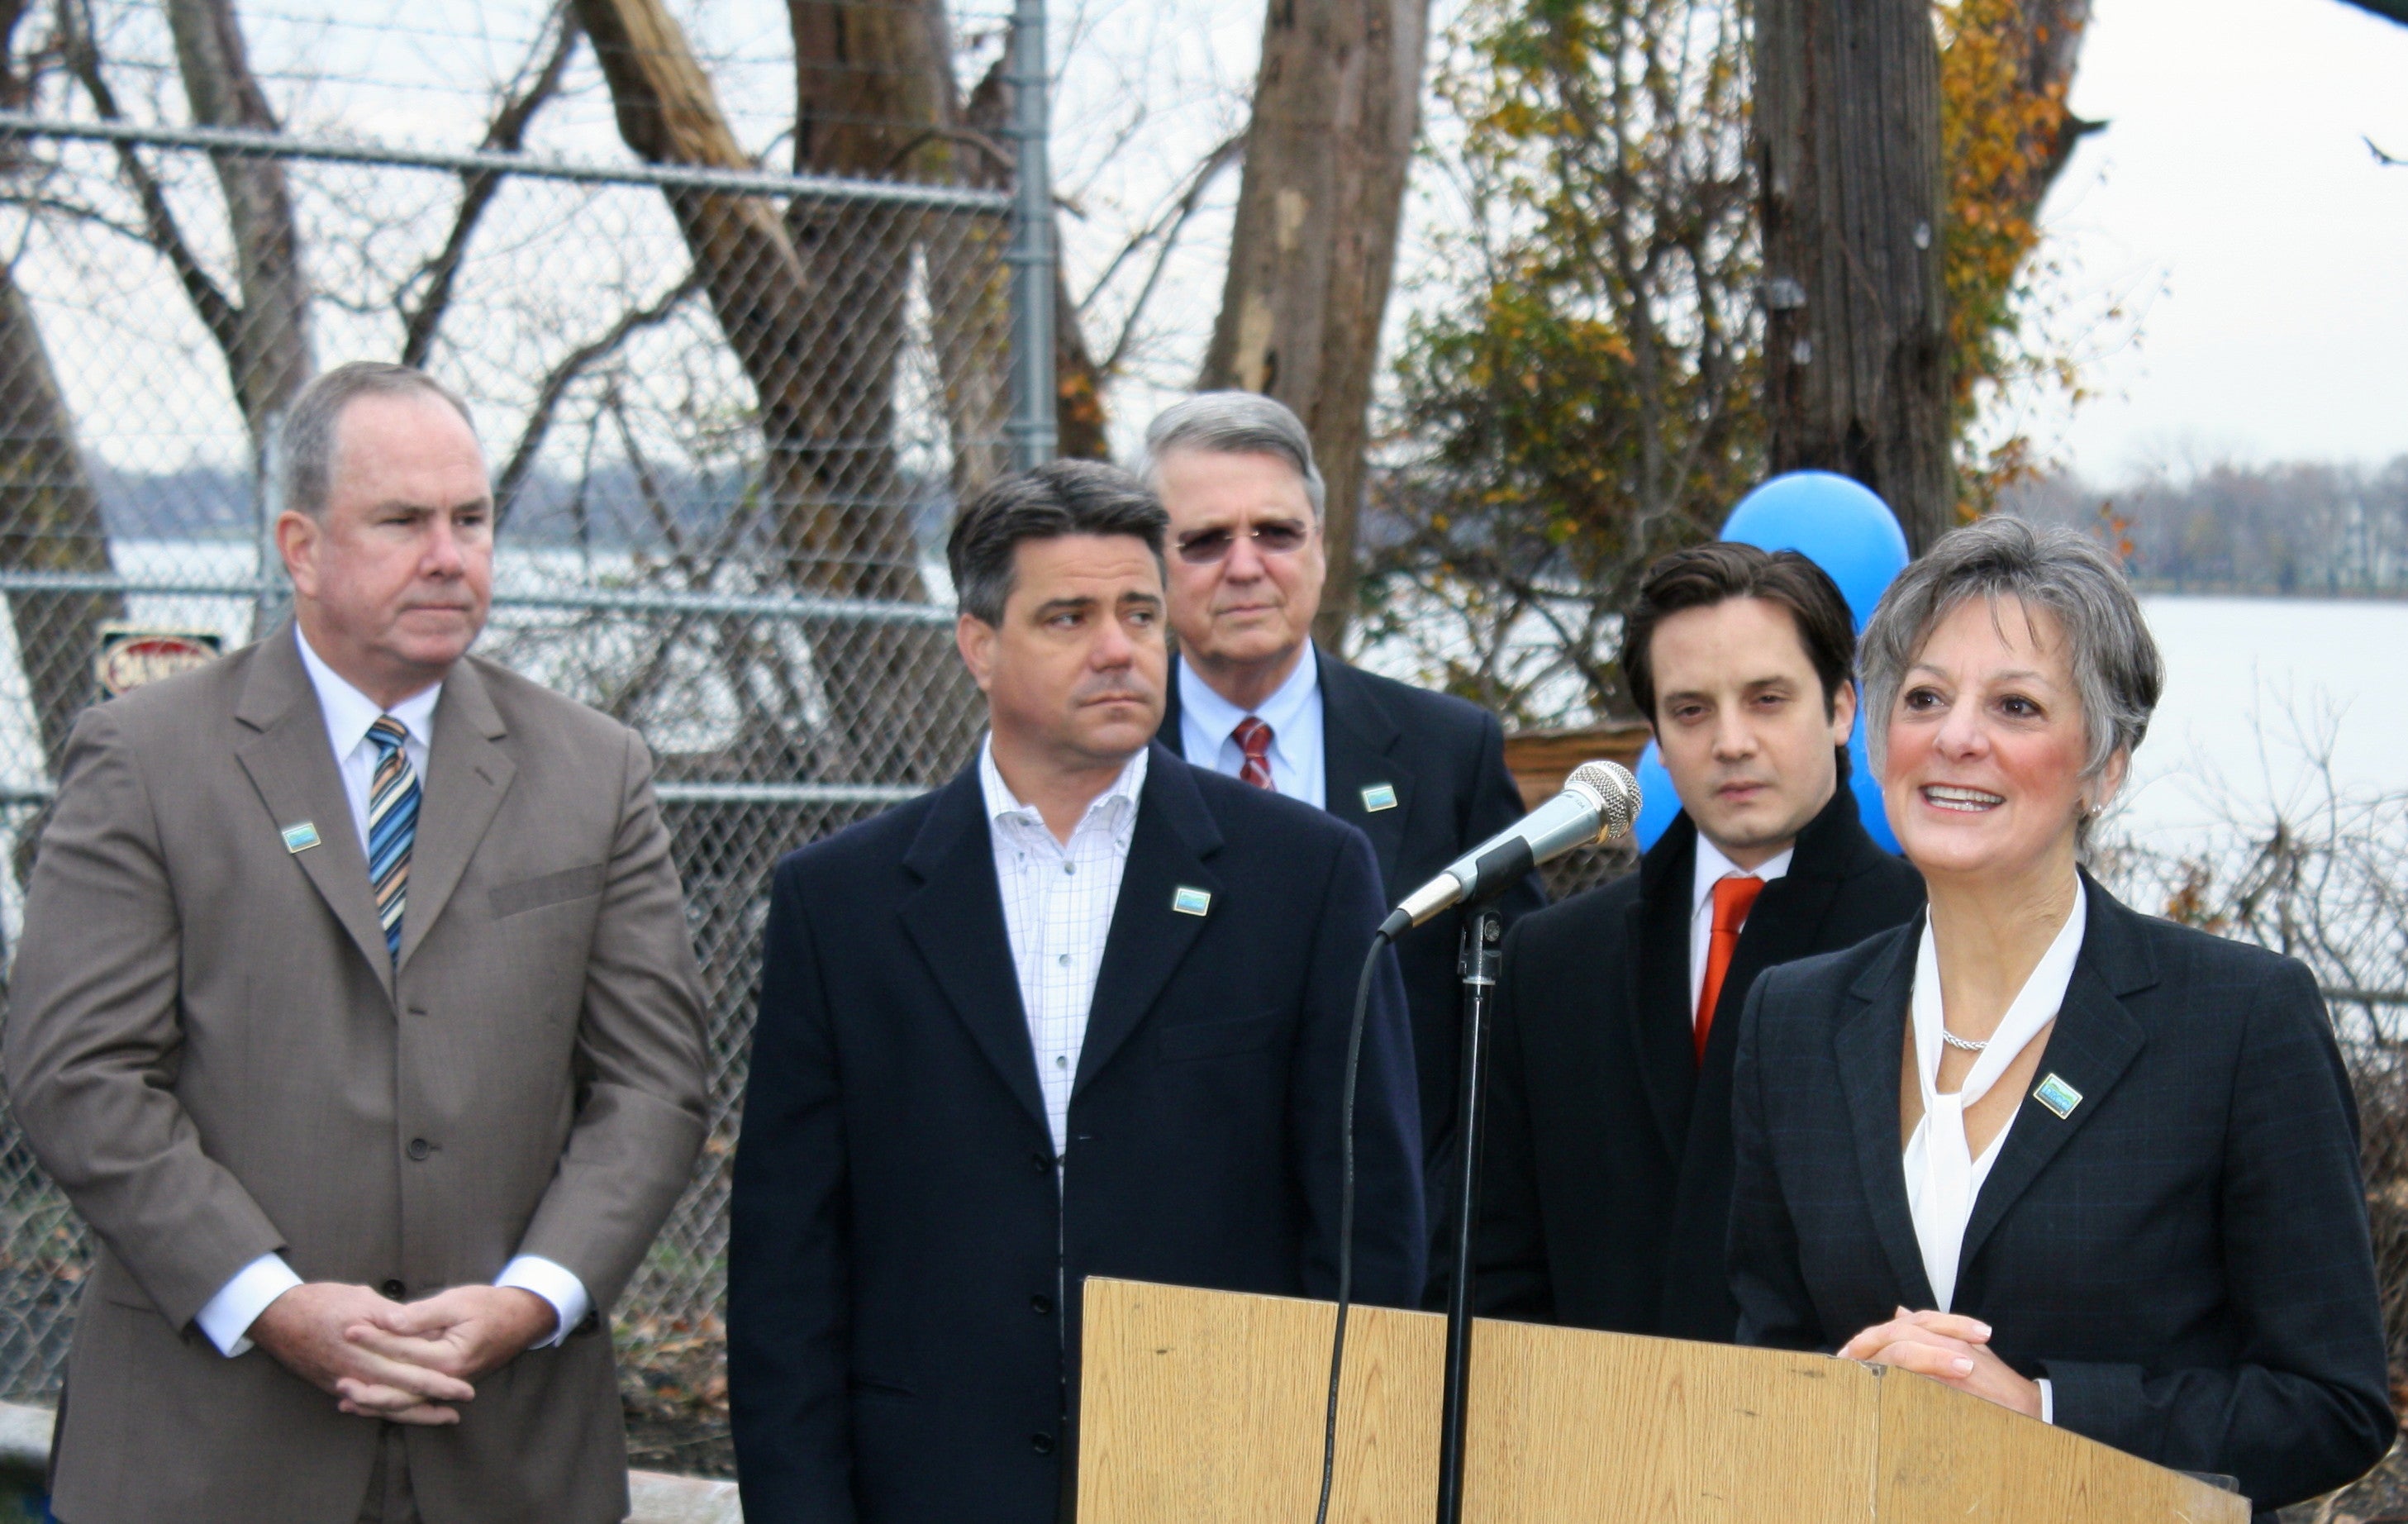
x=2091, y=1166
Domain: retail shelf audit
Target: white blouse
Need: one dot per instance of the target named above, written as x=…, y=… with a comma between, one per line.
x=1942, y=1178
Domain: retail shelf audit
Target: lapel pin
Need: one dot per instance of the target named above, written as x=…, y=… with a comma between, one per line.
x=1379, y=796
x=300, y=838
x=1187, y=902
x=2057, y=1095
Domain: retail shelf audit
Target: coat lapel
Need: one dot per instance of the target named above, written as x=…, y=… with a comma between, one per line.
x=1171, y=733
x=955, y=921
x=1361, y=747
x=466, y=776
x=1175, y=834
x=292, y=764
x=1655, y=950
x=1870, y=1045
x=2094, y=1042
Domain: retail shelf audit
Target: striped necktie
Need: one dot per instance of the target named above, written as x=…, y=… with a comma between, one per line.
x=393, y=826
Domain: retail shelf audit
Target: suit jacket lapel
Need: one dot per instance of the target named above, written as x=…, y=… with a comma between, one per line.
x=956, y=920
x=292, y=764
x=1870, y=1045
x=1656, y=943
x=1175, y=833
x=1171, y=732
x=2094, y=1042
x=466, y=776
x=1360, y=747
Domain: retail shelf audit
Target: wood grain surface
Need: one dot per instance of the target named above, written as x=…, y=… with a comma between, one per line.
x=1207, y=1407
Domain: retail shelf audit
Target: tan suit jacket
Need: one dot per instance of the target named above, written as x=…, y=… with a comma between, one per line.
x=212, y=1052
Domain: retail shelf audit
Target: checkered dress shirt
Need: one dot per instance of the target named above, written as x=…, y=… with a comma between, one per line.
x=1058, y=910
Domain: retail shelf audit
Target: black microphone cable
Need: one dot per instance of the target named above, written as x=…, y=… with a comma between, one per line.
x=1346, y=1220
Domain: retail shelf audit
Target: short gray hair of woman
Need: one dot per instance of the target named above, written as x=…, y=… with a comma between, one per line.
x=1234, y=423
x=2117, y=671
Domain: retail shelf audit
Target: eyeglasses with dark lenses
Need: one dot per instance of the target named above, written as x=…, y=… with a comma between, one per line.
x=1206, y=546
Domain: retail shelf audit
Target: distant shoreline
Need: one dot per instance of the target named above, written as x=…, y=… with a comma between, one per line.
x=2148, y=587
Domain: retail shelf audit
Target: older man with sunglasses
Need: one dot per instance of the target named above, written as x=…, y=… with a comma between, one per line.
x=1420, y=773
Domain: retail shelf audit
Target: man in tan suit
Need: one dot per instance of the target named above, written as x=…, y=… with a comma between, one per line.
x=356, y=1012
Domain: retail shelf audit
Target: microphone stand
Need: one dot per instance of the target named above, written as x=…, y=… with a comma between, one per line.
x=1483, y=930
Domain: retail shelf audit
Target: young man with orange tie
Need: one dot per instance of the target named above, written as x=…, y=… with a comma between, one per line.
x=1606, y=1174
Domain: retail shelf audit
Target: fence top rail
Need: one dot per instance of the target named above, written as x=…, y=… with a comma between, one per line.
x=591, y=599
x=243, y=141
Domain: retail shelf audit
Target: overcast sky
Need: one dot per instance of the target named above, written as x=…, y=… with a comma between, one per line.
x=2232, y=200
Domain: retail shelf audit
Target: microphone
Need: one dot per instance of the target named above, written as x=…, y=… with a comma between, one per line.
x=1598, y=803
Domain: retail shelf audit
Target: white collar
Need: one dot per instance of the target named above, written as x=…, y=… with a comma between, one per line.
x=1002, y=804
x=349, y=713
x=2034, y=1007
x=1218, y=717
x=1713, y=868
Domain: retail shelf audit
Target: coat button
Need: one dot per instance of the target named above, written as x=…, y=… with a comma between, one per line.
x=420, y=1148
x=393, y=1290
x=1041, y=1443
x=1042, y=1305
x=1042, y=1163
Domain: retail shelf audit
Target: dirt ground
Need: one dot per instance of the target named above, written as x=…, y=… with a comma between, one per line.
x=676, y=1401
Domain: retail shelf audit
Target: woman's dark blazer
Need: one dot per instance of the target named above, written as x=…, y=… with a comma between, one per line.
x=2184, y=1256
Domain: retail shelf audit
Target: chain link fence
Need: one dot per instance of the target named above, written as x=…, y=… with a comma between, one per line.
x=728, y=415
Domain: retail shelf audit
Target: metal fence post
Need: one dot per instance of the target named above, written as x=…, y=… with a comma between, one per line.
x=1031, y=430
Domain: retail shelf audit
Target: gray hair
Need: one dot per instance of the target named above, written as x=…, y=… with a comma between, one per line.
x=2116, y=669
x=1234, y=423
x=313, y=418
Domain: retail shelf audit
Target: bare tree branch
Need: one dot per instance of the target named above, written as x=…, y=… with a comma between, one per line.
x=216, y=310
x=504, y=134
x=562, y=376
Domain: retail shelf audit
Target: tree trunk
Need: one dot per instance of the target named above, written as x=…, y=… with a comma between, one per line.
x=49, y=521
x=268, y=351
x=1857, y=367
x=1337, y=108
x=50, y=513
x=882, y=682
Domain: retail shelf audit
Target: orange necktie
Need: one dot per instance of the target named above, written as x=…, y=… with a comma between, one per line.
x=1733, y=899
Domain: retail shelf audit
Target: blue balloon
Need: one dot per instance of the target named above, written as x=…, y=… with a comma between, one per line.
x=1842, y=528
x=1837, y=524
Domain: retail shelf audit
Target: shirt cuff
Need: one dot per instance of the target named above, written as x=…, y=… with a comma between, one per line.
x=229, y=1315
x=2047, y=1402
x=555, y=1284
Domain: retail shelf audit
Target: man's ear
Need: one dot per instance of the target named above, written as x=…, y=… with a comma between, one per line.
x=296, y=542
x=974, y=638
x=1844, y=711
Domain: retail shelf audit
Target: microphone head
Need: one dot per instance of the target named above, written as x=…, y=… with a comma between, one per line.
x=1616, y=794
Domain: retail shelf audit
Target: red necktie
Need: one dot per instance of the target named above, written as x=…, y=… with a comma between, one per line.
x=1733, y=899
x=1254, y=738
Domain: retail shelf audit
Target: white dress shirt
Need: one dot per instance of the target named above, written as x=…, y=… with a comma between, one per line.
x=1207, y=725
x=1713, y=868
x=1943, y=1180
x=1057, y=912
x=349, y=713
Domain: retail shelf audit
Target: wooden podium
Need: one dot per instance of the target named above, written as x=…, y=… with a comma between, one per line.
x=1206, y=1407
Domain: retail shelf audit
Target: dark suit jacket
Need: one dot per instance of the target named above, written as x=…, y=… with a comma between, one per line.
x=904, y=1250
x=1606, y=1174
x=2184, y=1256
x=1445, y=758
